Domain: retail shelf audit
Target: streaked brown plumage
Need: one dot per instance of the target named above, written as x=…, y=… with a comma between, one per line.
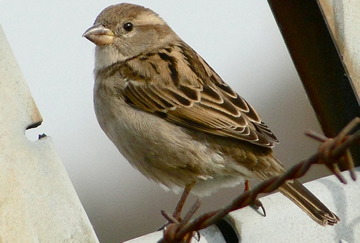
x=173, y=117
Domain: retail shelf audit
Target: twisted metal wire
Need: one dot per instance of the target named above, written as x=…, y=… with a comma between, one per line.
x=331, y=152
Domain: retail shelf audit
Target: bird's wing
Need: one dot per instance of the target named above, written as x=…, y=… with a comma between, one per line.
x=179, y=86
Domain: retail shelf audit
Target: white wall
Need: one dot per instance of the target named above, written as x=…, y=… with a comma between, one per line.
x=240, y=40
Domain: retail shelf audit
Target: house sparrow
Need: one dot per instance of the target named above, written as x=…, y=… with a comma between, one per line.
x=171, y=115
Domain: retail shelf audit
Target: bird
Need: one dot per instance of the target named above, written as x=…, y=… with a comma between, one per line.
x=173, y=117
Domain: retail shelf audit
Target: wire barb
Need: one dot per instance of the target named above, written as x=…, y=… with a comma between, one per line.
x=332, y=152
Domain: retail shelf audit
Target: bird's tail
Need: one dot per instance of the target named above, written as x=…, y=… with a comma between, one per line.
x=302, y=197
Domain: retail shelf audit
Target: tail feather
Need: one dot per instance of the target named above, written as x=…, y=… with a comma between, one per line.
x=302, y=197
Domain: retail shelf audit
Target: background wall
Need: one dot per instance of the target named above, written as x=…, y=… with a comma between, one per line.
x=343, y=19
x=239, y=39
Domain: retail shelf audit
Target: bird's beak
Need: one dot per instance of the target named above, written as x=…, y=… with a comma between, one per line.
x=99, y=35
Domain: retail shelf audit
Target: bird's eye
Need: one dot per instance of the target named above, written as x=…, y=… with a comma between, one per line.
x=128, y=26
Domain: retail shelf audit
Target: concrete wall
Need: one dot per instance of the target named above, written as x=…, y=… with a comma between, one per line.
x=343, y=17
x=37, y=200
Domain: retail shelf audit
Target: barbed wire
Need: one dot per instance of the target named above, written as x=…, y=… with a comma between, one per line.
x=331, y=153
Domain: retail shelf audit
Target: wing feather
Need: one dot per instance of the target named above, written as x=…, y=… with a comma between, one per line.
x=199, y=99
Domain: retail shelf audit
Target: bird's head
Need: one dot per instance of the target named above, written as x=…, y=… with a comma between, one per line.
x=124, y=31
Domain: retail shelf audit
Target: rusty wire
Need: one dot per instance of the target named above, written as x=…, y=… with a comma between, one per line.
x=331, y=152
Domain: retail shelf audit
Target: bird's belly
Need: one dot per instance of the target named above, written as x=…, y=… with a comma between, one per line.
x=167, y=153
